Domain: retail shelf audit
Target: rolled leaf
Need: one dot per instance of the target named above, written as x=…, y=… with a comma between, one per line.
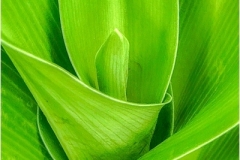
x=151, y=28
x=112, y=66
x=87, y=123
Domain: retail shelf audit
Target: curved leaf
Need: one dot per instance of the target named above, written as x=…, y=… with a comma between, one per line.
x=207, y=100
x=112, y=65
x=207, y=56
x=203, y=129
x=151, y=28
x=87, y=123
x=225, y=147
x=49, y=139
x=19, y=132
x=34, y=26
x=165, y=122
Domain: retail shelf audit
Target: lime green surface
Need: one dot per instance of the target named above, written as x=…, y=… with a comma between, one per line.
x=86, y=62
x=112, y=65
x=19, y=131
x=82, y=118
x=151, y=27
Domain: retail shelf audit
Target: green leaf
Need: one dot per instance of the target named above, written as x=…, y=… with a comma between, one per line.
x=151, y=28
x=152, y=31
x=112, y=66
x=87, y=123
x=205, y=80
x=19, y=132
x=203, y=129
x=49, y=139
x=207, y=61
x=34, y=26
x=165, y=122
x=225, y=147
x=207, y=100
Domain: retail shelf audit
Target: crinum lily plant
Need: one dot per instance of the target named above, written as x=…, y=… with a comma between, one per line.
x=143, y=79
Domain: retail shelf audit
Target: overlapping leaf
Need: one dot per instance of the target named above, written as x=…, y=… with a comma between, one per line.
x=34, y=26
x=207, y=56
x=151, y=28
x=49, y=138
x=205, y=80
x=112, y=66
x=225, y=147
x=82, y=118
x=203, y=128
x=19, y=132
